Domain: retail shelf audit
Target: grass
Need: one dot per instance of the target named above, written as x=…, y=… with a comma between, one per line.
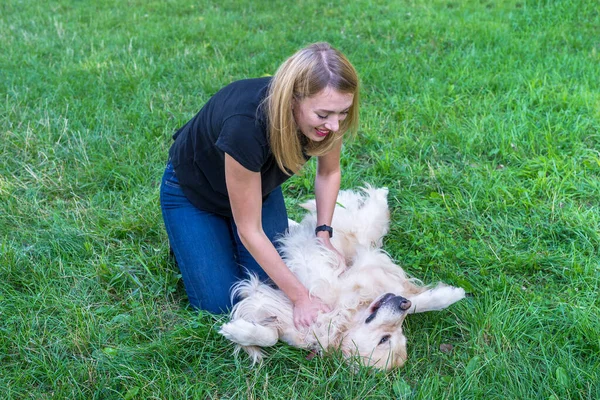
x=481, y=117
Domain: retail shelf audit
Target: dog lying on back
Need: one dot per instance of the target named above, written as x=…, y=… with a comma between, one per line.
x=369, y=296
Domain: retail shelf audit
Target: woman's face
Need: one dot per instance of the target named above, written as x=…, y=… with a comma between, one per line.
x=320, y=115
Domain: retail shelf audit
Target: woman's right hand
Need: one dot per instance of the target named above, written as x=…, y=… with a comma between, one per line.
x=306, y=310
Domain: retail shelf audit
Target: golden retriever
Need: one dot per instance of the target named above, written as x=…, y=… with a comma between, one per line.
x=369, y=295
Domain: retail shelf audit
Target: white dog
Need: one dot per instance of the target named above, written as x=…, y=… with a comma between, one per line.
x=369, y=295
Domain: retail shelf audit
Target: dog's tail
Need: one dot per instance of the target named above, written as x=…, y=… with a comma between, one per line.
x=245, y=288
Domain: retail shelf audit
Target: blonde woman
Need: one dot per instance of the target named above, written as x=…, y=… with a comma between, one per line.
x=221, y=195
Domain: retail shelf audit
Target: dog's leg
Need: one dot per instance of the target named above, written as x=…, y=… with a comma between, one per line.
x=247, y=333
x=435, y=299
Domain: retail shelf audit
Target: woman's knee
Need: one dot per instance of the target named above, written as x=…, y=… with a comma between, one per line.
x=204, y=252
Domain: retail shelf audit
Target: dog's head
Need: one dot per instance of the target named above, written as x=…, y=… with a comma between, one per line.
x=375, y=335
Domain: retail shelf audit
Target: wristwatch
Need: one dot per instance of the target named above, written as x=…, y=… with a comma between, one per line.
x=325, y=228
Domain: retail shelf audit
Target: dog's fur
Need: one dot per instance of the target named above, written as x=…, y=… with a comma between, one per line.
x=369, y=295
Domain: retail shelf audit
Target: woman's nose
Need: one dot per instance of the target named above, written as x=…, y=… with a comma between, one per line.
x=333, y=124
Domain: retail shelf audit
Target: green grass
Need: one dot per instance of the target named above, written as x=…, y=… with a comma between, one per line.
x=482, y=118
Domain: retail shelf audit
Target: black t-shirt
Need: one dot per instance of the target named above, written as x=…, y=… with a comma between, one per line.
x=230, y=122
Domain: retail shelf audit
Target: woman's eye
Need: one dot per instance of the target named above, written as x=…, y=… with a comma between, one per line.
x=322, y=116
x=384, y=339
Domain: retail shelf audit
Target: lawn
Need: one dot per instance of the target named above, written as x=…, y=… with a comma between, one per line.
x=482, y=118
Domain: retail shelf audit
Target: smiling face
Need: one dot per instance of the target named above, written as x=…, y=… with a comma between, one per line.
x=321, y=115
x=376, y=336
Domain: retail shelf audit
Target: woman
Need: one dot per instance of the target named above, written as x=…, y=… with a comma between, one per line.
x=221, y=193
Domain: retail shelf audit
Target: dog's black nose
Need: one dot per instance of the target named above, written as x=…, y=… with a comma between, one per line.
x=405, y=304
x=401, y=303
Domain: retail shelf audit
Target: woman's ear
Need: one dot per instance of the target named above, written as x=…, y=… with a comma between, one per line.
x=295, y=101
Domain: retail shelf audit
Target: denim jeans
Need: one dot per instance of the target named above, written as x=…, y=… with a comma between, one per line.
x=207, y=248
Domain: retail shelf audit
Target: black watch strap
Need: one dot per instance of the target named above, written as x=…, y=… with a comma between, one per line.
x=325, y=228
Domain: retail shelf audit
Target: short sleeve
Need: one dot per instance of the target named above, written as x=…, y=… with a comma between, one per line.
x=243, y=138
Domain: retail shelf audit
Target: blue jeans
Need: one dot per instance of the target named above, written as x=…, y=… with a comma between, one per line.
x=207, y=248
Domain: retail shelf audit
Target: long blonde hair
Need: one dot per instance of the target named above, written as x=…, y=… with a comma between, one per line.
x=305, y=74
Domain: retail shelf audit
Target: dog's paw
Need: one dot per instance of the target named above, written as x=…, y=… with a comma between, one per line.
x=436, y=299
x=310, y=205
x=449, y=294
x=247, y=333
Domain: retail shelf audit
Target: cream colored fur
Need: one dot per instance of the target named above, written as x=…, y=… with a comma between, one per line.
x=360, y=324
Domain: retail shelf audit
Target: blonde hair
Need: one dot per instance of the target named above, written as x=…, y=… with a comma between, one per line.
x=303, y=75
